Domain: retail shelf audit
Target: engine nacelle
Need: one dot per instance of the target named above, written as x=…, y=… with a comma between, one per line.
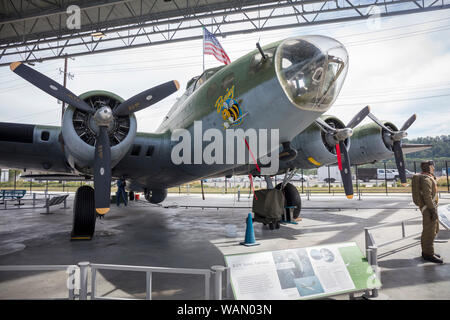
x=156, y=195
x=79, y=131
x=371, y=143
x=314, y=147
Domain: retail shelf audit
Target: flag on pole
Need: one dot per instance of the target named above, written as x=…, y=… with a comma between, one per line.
x=212, y=46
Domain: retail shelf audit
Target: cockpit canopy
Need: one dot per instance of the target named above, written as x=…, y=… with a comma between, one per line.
x=197, y=81
x=312, y=70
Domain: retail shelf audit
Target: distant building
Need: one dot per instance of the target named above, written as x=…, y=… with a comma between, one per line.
x=4, y=176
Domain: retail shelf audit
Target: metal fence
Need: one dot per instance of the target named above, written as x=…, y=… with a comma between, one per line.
x=370, y=241
x=78, y=275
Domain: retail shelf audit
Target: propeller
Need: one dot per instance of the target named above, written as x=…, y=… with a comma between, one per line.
x=394, y=139
x=103, y=117
x=336, y=137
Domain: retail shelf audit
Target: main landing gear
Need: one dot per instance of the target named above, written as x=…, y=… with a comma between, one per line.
x=84, y=214
x=293, y=199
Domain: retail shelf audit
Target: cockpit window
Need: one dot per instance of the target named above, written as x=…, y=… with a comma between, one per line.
x=197, y=81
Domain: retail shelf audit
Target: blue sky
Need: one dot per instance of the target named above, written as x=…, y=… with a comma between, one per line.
x=398, y=65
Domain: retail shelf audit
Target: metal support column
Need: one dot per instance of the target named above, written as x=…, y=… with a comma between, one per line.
x=446, y=171
x=148, y=281
x=84, y=266
x=207, y=286
x=269, y=183
x=329, y=180
x=385, y=178
x=218, y=281
x=302, y=180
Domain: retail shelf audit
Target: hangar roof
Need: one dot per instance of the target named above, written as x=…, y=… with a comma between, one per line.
x=37, y=30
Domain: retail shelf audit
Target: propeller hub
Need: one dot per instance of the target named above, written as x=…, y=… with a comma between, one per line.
x=399, y=135
x=342, y=134
x=103, y=116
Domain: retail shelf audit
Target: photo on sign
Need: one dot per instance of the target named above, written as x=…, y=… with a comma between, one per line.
x=308, y=286
x=292, y=265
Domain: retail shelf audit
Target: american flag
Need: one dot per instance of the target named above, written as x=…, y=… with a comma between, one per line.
x=212, y=46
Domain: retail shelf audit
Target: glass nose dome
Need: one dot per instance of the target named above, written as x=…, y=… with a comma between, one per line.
x=311, y=70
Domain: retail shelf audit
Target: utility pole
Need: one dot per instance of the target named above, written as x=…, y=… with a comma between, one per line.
x=66, y=74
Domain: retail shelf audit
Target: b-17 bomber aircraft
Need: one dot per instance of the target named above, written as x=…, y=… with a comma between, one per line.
x=280, y=91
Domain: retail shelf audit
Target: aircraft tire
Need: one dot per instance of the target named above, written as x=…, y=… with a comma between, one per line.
x=84, y=214
x=131, y=195
x=292, y=198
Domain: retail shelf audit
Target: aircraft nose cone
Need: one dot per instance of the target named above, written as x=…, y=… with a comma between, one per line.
x=311, y=70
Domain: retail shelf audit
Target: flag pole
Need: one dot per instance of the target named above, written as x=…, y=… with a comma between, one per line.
x=203, y=49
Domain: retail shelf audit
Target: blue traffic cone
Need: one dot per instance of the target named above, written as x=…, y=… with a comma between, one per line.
x=249, y=233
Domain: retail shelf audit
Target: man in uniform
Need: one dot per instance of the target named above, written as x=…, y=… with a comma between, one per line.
x=425, y=196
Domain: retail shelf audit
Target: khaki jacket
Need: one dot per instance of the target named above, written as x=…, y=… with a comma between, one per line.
x=429, y=193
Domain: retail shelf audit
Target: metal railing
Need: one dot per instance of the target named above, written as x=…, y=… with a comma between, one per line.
x=149, y=271
x=370, y=242
x=81, y=282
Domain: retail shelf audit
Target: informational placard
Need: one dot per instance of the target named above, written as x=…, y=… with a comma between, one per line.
x=444, y=216
x=301, y=273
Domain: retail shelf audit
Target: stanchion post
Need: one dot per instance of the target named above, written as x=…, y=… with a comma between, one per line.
x=71, y=284
x=302, y=181
x=329, y=180
x=369, y=259
x=446, y=171
x=374, y=264
x=93, y=283
x=83, y=279
x=34, y=200
x=148, y=292
x=207, y=286
x=228, y=283
x=403, y=229
x=218, y=281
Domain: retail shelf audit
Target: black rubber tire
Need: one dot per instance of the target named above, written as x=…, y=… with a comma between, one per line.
x=292, y=198
x=271, y=226
x=131, y=195
x=84, y=214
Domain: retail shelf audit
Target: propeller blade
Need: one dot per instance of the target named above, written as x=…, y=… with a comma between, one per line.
x=359, y=117
x=339, y=156
x=102, y=172
x=146, y=98
x=325, y=126
x=400, y=161
x=409, y=122
x=346, y=173
x=378, y=122
x=50, y=86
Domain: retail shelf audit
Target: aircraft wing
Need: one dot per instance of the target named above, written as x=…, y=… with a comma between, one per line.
x=411, y=148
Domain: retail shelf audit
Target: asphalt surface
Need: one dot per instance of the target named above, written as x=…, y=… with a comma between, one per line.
x=173, y=236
